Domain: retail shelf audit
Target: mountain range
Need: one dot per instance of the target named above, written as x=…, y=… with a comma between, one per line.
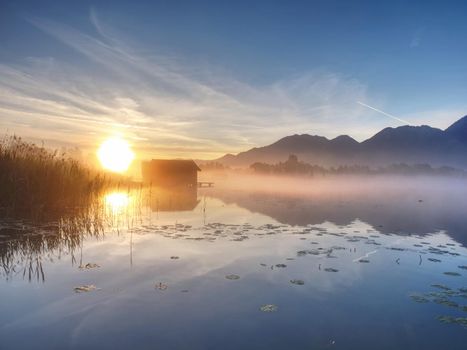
x=404, y=144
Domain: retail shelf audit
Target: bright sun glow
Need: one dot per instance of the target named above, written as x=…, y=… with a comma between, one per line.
x=117, y=202
x=115, y=155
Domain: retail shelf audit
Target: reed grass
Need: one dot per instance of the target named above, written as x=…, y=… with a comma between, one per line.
x=35, y=181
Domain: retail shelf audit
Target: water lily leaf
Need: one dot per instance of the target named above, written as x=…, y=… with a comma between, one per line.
x=298, y=282
x=330, y=269
x=85, y=288
x=441, y=286
x=232, y=277
x=160, y=286
x=88, y=266
x=449, y=273
x=419, y=298
x=268, y=308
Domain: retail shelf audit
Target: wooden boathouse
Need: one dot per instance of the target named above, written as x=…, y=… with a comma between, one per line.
x=170, y=172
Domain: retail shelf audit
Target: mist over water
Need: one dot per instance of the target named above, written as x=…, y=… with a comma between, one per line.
x=403, y=204
x=254, y=262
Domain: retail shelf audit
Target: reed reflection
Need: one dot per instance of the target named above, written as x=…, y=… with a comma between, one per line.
x=25, y=246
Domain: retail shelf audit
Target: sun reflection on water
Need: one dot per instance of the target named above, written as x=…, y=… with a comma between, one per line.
x=117, y=202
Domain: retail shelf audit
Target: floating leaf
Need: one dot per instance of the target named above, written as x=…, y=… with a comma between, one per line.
x=441, y=286
x=268, y=308
x=450, y=319
x=445, y=302
x=419, y=298
x=88, y=266
x=160, y=286
x=298, y=282
x=397, y=249
x=303, y=252
x=232, y=277
x=85, y=288
x=446, y=319
x=449, y=273
x=330, y=269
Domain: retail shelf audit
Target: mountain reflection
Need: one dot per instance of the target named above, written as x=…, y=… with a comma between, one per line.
x=398, y=211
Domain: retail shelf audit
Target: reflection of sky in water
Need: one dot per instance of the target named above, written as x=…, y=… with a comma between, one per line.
x=363, y=305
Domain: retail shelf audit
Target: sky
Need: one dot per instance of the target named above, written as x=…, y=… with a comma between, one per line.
x=198, y=79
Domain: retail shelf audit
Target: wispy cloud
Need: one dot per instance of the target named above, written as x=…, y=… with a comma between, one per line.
x=165, y=107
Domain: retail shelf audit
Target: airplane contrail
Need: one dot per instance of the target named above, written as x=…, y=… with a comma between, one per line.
x=386, y=114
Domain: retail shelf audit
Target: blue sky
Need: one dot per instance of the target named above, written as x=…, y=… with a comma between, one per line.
x=202, y=78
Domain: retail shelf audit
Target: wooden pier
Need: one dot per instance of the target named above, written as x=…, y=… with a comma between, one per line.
x=205, y=184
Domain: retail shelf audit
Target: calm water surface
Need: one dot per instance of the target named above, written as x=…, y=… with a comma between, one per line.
x=191, y=270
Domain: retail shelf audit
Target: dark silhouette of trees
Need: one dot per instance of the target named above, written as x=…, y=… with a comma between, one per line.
x=213, y=166
x=292, y=166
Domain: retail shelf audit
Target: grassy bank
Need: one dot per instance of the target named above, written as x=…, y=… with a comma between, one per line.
x=35, y=181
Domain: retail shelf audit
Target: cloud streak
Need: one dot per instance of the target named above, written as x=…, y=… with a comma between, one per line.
x=166, y=107
x=384, y=113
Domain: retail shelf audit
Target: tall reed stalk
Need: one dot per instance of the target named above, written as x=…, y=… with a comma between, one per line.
x=35, y=181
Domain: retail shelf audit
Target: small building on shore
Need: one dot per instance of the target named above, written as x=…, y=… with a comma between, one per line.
x=170, y=172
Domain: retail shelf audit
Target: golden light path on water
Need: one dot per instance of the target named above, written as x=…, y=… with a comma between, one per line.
x=116, y=203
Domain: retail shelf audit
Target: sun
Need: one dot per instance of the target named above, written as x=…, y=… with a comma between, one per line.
x=115, y=154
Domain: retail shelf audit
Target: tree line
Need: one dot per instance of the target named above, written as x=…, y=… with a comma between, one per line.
x=295, y=167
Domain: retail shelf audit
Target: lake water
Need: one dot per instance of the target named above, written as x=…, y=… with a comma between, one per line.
x=226, y=268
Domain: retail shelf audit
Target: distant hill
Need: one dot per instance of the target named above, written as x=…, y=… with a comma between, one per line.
x=408, y=144
x=458, y=130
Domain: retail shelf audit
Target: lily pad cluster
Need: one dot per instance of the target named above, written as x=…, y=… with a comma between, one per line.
x=439, y=251
x=450, y=319
x=446, y=296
